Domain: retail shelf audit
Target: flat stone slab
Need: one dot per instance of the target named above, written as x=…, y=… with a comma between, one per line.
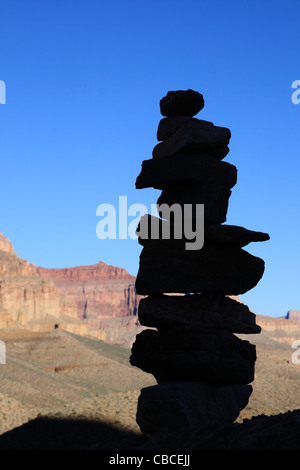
x=197, y=311
x=169, y=125
x=210, y=356
x=175, y=406
x=211, y=269
x=215, y=198
x=153, y=230
x=181, y=102
x=232, y=235
x=162, y=172
x=193, y=137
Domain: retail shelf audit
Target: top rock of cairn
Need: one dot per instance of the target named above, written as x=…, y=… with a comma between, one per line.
x=181, y=103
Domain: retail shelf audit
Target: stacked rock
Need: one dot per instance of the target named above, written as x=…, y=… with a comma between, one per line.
x=202, y=368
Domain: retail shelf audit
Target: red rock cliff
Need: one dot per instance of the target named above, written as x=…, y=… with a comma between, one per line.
x=24, y=296
x=99, y=290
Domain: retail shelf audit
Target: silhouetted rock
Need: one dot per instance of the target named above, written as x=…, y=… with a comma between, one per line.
x=232, y=235
x=181, y=103
x=214, y=197
x=169, y=125
x=179, y=168
x=171, y=406
x=153, y=230
x=210, y=270
x=189, y=251
x=193, y=137
x=197, y=312
x=210, y=356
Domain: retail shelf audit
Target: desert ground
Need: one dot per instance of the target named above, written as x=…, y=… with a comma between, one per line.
x=70, y=381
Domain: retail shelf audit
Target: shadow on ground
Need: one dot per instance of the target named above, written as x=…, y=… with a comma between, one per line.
x=278, y=432
x=45, y=433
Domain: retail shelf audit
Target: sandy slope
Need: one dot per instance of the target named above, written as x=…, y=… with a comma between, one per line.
x=66, y=375
x=62, y=375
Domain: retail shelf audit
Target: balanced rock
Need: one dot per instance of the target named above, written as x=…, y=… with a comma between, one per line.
x=192, y=137
x=181, y=103
x=153, y=230
x=215, y=198
x=210, y=356
x=178, y=169
x=232, y=235
x=212, y=269
x=190, y=264
x=198, y=311
x=189, y=406
x=169, y=125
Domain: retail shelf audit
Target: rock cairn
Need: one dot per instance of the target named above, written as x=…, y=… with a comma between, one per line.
x=202, y=367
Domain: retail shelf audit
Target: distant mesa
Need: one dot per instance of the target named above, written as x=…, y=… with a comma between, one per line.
x=90, y=272
x=284, y=330
x=98, y=300
x=6, y=245
x=24, y=296
x=104, y=296
x=293, y=315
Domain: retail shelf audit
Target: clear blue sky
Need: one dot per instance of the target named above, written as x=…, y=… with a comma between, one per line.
x=84, y=80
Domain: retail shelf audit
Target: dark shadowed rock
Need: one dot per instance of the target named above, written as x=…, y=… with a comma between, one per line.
x=193, y=347
x=193, y=137
x=197, y=311
x=227, y=236
x=169, y=125
x=232, y=235
x=181, y=103
x=162, y=172
x=156, y=232
x=214, y=197
x=210, y=356
x=171, y=406
x=212, y=270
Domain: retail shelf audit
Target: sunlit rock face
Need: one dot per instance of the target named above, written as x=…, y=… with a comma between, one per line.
x=24, y=296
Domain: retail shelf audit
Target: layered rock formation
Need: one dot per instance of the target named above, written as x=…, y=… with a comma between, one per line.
x=294, y=316
x=104, y=297
x=6, y=245
x=192, y=348
x=99, y=291
x=97, y=300
x=28, y=301
x=281, y=329
x=24, y=296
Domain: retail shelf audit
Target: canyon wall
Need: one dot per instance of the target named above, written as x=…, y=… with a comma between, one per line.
x=24, y=295
x=104, y=297
x=97, y=300
x=98, y=291
x=28, y=301
x=282, y=329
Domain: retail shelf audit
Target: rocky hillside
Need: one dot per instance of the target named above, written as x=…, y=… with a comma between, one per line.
x=24, y=296
x=282, y=329
x=28, y=301
x=99, y=291
x=98, y=300
x=104, y=297
x=66, y=392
